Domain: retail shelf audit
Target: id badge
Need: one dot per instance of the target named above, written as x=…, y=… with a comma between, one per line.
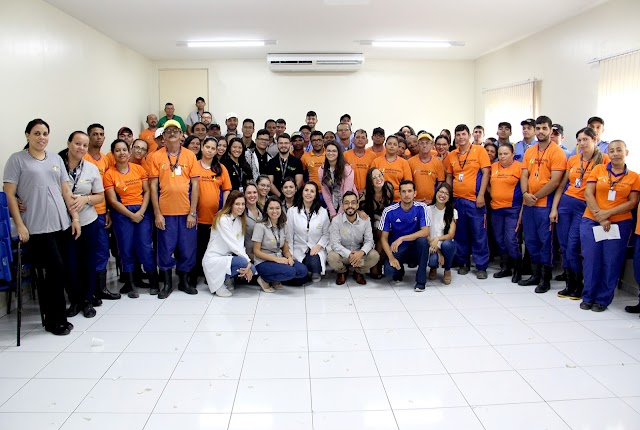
x=241, y=189
x=460, y=177
x=612, y=195
x=178, y=171
x=578, y=183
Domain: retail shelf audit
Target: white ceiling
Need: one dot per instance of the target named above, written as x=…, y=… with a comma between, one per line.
x=153, y=27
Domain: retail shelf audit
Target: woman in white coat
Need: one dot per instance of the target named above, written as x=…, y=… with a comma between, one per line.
x=226, y=256
x=308, y=231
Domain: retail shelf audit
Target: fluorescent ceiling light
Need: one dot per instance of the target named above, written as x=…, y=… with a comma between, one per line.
x=410, y=43
x=226, y=44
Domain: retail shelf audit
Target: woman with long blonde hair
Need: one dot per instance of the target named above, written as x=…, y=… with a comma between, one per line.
x=226, y=256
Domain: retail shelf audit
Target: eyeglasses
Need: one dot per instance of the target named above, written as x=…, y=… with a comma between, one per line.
x=377, y=177
x=316, y=140
x=173, y=131
x=443, y=192
x=139, y=148
x=350, y=203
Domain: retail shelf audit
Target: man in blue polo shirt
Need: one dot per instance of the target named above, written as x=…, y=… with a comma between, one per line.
x=528, y=138
x=405, y=229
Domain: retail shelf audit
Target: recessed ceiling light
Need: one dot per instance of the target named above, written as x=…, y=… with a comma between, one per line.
x=410, y=43
x=226, y=43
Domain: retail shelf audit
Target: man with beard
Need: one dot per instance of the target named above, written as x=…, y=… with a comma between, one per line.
x=351, y=242
x=258, y=157
x=284, y=165
x=312, y=160
x=149, y=133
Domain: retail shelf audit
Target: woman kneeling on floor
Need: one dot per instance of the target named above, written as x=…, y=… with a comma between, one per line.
x=443, y=217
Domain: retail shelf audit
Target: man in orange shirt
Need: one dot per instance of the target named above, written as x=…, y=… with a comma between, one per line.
x=394, y=168
x=468, y=173
x=427, y=170
x=543, y=166
x=377, y=138
x=102, y=162
x=359, y=159
x=149, y=133
x=312, y=160
x=174, y=195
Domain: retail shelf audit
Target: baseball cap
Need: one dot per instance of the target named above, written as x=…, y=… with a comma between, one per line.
x=172, y=123
x=529, y=121
x=231, y=115
x=558, y=128
x=124, y=129
x=159, y=132
x=296, y=135
x=378, y=130
x=425, y=136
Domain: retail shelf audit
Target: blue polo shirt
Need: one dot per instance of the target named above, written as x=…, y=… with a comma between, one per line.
x=521, y=147
x=398, y=222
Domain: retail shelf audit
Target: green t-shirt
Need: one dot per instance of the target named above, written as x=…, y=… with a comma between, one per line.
x=176, y=118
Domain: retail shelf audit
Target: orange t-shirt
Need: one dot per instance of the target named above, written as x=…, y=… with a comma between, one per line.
x=575, y=168
x=128, y=186
x=377, y=154
x=466, y=170
x=505, y=185
x=103, y=164
x=149, y=137
x=311, y=163
x=144, y=163
x=393, y=172
x=209, y=191
x=623, y=185
x=425, y=175
x=174, y=189
x=540, y=165
x=360, y=166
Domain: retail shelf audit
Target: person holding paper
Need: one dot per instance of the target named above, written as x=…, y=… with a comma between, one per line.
x=612, y=191
x=569, y=205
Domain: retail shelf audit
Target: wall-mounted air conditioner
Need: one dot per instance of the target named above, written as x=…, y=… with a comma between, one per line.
x=315, y=62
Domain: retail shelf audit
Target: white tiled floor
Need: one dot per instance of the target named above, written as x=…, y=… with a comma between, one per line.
x=474, y=355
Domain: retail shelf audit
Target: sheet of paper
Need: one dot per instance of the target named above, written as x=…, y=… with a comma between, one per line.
x=599, y=234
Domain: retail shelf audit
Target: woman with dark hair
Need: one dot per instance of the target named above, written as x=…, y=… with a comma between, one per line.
x=139, y=151
x=377, y=195
x=569, y=204
x=506, y=211
x=221, y=148
x=254, y=215
x=235, y=162
x=128, y=193
x=289, y=191
x=214, y=187
x=611, y=193
x=442, y=230
x=226, y=257
x=492, y=151
x=328, y=136
x=264, y=186
x=336, y=177
x=406, y=131
x=308, y=231
x=88, y=191
x=42, y=182
x=441, y=146
x=273, y=258
x=192, y=143
x=394, y=167
x=199, y=130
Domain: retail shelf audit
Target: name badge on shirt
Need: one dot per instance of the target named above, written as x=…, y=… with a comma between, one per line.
x=460, y=177
x=178, y=171
x=241, y=189
x=578, y=183
x=612, y=195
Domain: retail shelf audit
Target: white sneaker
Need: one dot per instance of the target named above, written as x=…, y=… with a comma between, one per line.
x=223, y=292
x=316, y=277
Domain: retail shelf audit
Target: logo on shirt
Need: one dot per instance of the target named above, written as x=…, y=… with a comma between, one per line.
x=398, y=220
x=55, y=168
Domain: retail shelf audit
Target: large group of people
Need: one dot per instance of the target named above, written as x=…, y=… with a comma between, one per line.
x=271, y=208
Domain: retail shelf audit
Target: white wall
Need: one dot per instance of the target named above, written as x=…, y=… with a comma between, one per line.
x=65, y=72
x=425, y=94
x=559, y=58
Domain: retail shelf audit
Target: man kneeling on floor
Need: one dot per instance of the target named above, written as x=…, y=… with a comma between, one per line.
x=351, y=242
x=405, y=229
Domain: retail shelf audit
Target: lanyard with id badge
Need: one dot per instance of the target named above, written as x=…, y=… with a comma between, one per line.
x=461, y=175
x=578, y=182
x=176, y=169
x=611, y=196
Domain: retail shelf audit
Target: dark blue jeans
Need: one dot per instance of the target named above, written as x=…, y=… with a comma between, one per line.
x=411, y=252
x=278, y=272
x=448, y=248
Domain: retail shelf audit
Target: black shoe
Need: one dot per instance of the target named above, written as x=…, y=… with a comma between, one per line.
x=96, y=302
x=69, y=325
x=635, y=309
x=58, y=329
x=504, y=273
x=88, y=311
x=463, y=269
x=517, y=271
x=398, y=277
x=585, y=306
x=74, y=309
x=535, y=277
x=128, y=288
x=545, y=283
x=183, y=285
x=137, y=278
x=153, y=283
x=167, y=287
x=505, y=267
x=102, y=292
x=598, y=308
x=561, y=277
x=564, y=293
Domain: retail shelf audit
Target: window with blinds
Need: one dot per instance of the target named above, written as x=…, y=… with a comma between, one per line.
x=618, y=95
x=512, y=103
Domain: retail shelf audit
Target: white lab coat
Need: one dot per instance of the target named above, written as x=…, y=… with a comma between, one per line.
x=226, y=239
x=298, y=239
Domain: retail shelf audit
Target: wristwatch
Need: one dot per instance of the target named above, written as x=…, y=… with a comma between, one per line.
x=193, y=214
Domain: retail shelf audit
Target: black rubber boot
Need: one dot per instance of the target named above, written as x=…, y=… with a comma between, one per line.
x=167, y=288
x=101, y=289
x=193, y=280
x=635, y=309
x=517, y=271
x=570, y=284
x=576, y=293
x=154, y=289
x=545, y=282
x=183, y=285
x=137, y=277
x=534, y=279
x=73, y=310
x=505, y=267
x=562, y=277
x=129, y=286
